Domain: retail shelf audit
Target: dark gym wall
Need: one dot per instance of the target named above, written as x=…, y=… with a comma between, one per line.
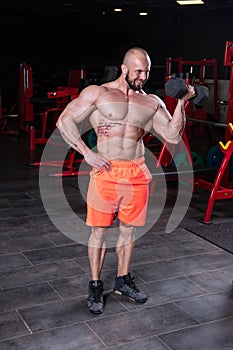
x=193, y=34
x=55, y=43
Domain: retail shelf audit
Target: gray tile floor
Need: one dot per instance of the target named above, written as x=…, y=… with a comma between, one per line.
x=44, y=273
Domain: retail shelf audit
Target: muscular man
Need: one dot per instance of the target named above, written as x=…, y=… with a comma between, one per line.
x=120, y=113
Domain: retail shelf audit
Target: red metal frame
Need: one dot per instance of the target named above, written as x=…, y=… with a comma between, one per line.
x=26, y=110
x=218, y=191
x=62, y=96
x=75, y=76
x=166, y=152
x=68, y=165
x=221, y=188
x=202, y=64
x=228, y=61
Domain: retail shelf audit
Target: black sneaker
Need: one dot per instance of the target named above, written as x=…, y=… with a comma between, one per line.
x=125, y=286
x=95, y=301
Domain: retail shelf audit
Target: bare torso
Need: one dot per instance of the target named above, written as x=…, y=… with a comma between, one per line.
x=121, y=113
x=121, y=121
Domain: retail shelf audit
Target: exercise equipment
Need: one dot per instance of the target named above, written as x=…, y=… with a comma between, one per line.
x=214, y=157
x=167, y=163
x=26, y=108
x=222, y=187
x=182, y=159
x=198, y=126
x=73, y=158
x=186, y=157
x=165, y=157
x=228, y=61
x=218, y=190
x=208, y=122
x=177, y=88
x=62, y=97
x=193, y=71
x=68, y=159
x=31, y=108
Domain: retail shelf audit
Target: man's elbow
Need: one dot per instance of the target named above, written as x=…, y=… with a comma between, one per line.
x=59, y=123
x=173, y=140
x=176, y=141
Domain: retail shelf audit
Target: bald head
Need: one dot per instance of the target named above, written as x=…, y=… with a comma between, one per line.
x=134, y=53
x=136, y=67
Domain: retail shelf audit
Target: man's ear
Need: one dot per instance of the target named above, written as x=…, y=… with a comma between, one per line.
x=124, y=69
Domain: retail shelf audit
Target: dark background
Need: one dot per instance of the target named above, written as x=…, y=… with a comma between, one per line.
x=53, y=38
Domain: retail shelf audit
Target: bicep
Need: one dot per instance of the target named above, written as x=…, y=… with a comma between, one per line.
x=161, y=119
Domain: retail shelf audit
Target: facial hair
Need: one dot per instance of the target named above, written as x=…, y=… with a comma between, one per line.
x=132, y=85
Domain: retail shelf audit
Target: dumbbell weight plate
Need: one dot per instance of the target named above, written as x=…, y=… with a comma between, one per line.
x=175, y=87
x=202, y=94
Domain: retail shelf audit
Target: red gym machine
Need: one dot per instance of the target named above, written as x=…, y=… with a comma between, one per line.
x=200, y=79
x=62, y=97
x=222, y=187
x=41, y=136
x=165, y=158
x=26, y=110
x=26, y=95
x=201, y=67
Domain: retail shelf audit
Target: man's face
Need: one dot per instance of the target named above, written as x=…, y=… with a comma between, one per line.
x=137, y=80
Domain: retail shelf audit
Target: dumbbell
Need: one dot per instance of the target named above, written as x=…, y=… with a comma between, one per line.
x=177, y=88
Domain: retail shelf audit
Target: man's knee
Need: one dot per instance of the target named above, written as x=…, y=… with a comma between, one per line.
x=127, y=229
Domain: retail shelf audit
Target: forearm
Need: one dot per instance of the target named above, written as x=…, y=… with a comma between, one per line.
x=70, y=133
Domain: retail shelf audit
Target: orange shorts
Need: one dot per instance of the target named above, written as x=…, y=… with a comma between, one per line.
x=124, y=190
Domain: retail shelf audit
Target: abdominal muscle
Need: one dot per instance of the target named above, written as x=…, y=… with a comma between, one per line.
x=117, y=140
x=121, y=149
